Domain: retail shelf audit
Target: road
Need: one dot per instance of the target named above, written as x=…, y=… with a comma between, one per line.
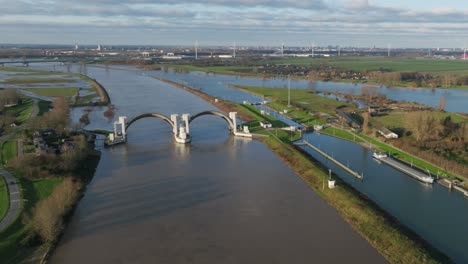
x=15, y=199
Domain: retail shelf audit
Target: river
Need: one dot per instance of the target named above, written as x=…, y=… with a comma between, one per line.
x=456, y=99
x=217, y=200
x=436, y=214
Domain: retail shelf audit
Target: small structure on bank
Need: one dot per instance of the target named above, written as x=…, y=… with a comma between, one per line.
x=265, y=124
x=387, y=133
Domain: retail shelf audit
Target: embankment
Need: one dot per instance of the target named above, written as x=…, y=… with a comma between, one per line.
x=396, y=242
x=224, y=106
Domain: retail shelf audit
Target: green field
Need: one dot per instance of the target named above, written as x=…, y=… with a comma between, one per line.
x=376, y=63
x=15, y=235
x=299, y=97
x=4, y=201
x=37, y=80
x=8, y=151
x=55, y=92
x=397, y=119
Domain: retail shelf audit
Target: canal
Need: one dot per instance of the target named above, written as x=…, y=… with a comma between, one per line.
x=218, y=200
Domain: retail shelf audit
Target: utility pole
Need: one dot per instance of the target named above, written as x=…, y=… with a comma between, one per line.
x=196, y=49
x=289, y=91
x=389, y=47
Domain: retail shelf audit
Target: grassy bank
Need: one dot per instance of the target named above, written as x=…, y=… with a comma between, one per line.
x=395, y=242
x=339, y=133
x=8, y=151
x=4, y=201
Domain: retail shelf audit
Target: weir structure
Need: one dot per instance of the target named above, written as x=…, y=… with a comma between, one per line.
x=180, y=125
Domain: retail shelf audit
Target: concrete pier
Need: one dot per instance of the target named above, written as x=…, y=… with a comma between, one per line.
x=341, y=165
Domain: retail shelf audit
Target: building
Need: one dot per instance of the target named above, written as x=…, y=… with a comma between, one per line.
x=265, y=124
x=387, y=133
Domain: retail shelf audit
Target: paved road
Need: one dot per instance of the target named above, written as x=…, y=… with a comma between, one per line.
x=15, y=199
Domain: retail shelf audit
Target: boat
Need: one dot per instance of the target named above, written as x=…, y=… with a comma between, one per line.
x=111, y=140
x=379, y=155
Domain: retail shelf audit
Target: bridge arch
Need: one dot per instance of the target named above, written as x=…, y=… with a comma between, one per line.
x=145, y=115
x=215, y=113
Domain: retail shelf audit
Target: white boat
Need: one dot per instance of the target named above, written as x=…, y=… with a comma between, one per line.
x=379, y=155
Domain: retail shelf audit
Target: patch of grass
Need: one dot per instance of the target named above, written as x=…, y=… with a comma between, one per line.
x=22, y=111
x=55, y=92
x=37, y=80
x=332, y=131
x=4, y=199
x=8, y=150
x=397, y=119
x=12, y=238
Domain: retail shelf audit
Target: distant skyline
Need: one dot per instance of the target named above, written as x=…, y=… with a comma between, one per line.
x=360, y=23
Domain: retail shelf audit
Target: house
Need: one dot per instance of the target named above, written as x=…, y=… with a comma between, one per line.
x=265, y=124
x=387, y=133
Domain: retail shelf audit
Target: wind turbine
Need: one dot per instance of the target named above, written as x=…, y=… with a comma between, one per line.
x=282, y=49
x=234, y=52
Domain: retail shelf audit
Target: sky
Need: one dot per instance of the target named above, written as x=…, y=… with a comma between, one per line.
x=359, y=23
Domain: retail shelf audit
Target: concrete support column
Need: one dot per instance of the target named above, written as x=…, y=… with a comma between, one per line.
x=175, y=120
x=185, y=118
x=233, y=116
x=123, y=123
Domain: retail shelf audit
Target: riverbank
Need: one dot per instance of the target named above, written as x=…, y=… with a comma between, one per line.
x=382, y=231
x=220, y=104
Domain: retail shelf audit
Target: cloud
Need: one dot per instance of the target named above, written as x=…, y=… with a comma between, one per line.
x=223, y=18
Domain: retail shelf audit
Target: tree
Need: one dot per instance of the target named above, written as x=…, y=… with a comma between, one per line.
x=47, y=219
x=423, y=125
x=58, y=117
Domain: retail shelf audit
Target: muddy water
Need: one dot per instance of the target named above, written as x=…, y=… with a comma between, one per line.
x=218, y=200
